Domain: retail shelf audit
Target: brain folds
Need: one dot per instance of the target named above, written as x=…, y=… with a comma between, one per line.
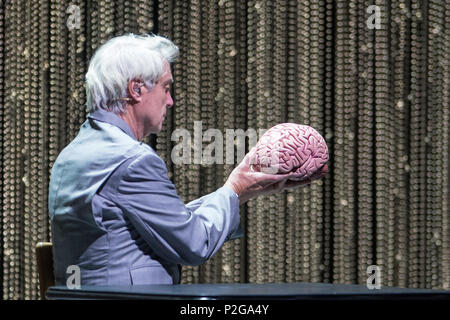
x=290, y=148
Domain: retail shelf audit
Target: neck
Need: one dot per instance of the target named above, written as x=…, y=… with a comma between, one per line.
x=132, y=121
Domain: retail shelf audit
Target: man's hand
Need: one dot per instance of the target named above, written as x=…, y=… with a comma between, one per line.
x=249, y=184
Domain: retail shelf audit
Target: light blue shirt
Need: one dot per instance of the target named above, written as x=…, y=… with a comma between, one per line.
x=117, y=216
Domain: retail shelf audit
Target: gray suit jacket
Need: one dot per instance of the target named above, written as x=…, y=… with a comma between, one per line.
x=116, y=215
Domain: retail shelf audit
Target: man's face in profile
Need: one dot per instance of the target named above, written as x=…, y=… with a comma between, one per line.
x=154, y=103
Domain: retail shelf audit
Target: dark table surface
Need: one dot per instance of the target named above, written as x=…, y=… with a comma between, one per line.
x=246, y=291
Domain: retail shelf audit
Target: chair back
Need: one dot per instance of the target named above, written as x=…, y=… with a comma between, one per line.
x=44, y=257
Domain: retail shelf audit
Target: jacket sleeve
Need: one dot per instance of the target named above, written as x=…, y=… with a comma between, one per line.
x=181, y=234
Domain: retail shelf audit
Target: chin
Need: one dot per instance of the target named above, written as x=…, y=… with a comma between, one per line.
x=156, y=131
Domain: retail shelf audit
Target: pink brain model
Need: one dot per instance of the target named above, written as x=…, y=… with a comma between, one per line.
x=290, y=147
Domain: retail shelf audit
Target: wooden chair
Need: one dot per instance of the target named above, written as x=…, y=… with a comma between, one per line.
x=44, y=257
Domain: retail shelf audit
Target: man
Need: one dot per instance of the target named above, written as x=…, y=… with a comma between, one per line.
x=114, y=212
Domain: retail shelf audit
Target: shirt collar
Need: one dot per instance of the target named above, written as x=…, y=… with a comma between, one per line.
x=112, y=118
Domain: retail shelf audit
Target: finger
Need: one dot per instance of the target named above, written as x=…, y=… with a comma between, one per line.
x=280, y=185
x=291, y=176
x=250, y=158
x=264, y=177
x=291, y=184
x=319, y=174
x=324, y=170
x=275, y=187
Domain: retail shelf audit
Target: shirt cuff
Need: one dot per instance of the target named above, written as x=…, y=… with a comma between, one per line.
x=234, y=193
x=238, y=232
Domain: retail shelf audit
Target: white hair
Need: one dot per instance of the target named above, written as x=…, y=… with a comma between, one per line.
x=120, y=60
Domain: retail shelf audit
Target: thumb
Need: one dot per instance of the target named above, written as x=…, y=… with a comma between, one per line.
x=291, y=184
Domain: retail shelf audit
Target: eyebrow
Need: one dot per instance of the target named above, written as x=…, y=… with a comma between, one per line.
x=168, y=81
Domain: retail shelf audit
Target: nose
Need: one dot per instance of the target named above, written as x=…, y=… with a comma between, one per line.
x=169, y=100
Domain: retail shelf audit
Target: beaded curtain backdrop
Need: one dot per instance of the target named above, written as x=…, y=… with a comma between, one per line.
x=372, y=77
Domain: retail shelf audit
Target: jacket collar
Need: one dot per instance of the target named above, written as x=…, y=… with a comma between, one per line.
x=113, y=119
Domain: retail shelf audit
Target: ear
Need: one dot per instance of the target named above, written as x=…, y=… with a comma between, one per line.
x=134, y=91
